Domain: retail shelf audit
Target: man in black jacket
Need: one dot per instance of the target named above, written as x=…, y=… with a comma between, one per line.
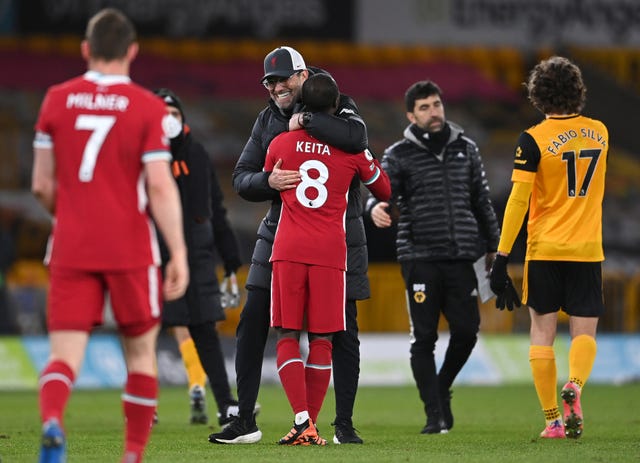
x=193, y=317
x=285, y=72
x=446, y=222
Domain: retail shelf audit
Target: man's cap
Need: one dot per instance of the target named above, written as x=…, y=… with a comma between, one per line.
x=283, y=62
x=170, y=99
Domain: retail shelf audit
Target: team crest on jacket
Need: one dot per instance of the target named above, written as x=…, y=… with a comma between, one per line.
x=419, y=294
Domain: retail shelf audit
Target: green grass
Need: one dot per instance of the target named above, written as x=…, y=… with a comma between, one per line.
x=492, y=424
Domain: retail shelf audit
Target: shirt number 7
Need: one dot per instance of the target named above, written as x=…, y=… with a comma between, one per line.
x=100, y=127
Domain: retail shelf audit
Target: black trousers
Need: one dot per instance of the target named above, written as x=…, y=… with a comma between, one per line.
x=207, y=341
x=446, y=287
x=251, y=338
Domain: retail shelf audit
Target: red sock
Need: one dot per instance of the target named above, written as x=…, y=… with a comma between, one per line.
x=318, y=374
x=139, y=402
x=291, y=371
x=56, y=382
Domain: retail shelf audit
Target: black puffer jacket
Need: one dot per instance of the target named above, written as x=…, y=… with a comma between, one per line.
x=347, y=131
x=206, y=230
x=445, y=212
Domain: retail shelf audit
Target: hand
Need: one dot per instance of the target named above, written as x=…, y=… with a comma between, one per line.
x=502, y=286
x=294, y=122
x=281, y=179
x=176, y=278
x=230, y=294
x=380, y=216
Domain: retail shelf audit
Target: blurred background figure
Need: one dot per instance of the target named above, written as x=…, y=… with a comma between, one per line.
x=192, y=319
x=440, y=199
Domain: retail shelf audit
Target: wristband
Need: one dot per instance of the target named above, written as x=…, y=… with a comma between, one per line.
x=305, y=119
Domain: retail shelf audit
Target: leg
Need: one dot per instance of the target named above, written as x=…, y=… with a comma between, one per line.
x=56, y=382
x=582, y=355
x=141, y=391
x=318, y=372
x=251, y=338
x=544, y=370
x=463, y=315
x=207, y=342
x=424, y=314
x=293, y=376
x=291, y=372
x=346, y=374
x=65, y=359
x=346, y=365
x=196, y=376
x=74, y=304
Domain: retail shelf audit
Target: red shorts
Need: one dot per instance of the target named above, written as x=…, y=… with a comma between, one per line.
x=76, y=299
x=301, y=289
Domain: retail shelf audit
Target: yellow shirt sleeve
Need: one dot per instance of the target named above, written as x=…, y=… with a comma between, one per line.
x=514, y=214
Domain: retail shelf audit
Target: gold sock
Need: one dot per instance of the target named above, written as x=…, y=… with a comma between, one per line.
x=582, y=355
x=545, y=378
x=195, y=372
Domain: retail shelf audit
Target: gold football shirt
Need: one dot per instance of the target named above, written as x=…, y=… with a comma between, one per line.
x=565, y=158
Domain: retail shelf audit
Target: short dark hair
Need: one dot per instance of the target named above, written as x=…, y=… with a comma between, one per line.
x=109, y=33
x=555, y=86
x=419, y=90
x=320, y=93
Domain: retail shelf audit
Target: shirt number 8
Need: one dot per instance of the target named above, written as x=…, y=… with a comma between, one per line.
x=316, y=184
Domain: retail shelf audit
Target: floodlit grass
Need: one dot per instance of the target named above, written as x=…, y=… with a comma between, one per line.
x=491, y=424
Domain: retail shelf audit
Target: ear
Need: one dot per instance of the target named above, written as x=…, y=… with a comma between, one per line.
x=411, y=117
x=132, y=51
x=84, y=50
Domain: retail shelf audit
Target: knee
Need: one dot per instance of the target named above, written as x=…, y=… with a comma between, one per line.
x=464, y=338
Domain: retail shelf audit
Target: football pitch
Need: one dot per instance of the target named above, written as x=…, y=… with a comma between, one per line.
x=492, y=424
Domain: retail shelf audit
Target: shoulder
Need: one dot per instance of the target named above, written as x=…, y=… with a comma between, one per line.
x=145, y=95
x=63, y=88
x=597, y=124
x=399, y=147
x=346, y=106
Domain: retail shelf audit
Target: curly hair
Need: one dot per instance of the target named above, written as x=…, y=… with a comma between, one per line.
x=555, y=86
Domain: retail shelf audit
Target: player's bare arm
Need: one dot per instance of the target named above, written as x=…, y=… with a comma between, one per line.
x=43, y=180
x=164, y=200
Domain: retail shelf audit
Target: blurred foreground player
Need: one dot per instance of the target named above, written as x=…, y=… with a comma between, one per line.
x=101, y=162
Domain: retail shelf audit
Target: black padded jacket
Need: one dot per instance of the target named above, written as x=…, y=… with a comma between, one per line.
x=206, y=229
x=445, y=212
x=345, y=130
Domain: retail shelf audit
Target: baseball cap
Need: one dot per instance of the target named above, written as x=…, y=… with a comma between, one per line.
x=283, y=62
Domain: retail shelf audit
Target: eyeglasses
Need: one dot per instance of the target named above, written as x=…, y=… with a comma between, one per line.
x=271, y=82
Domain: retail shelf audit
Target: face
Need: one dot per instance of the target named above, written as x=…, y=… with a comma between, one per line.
x=428, y=114
x=172, y=111
x=285, y=92
x=172, y=122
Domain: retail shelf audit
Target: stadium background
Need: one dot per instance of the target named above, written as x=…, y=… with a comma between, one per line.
x=210, y=53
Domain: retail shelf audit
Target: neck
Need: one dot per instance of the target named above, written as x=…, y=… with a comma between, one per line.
x=116, y=67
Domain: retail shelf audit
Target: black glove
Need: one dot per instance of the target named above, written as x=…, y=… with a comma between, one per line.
x=502, y=285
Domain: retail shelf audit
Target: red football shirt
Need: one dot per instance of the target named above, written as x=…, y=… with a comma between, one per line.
x=311, y=229
x=101, y=129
